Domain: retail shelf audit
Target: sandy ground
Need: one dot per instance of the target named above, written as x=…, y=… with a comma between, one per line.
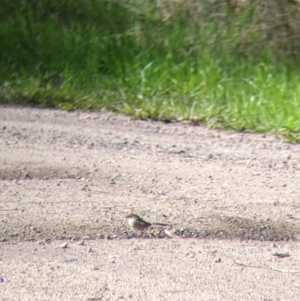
x=68, y=179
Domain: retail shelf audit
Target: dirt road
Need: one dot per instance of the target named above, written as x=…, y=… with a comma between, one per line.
x=67, y=180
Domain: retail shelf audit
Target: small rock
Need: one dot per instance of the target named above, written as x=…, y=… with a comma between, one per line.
x=168, y=233
x=64, y=245
x=70, y=260
x=281, y=255
x=86, y=188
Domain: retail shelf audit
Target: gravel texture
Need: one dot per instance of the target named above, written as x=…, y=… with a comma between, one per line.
x=67, y=180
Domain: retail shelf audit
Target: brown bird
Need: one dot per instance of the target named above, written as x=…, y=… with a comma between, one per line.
x=138, y=224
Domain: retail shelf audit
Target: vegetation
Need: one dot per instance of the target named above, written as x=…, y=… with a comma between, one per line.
x=228, y=64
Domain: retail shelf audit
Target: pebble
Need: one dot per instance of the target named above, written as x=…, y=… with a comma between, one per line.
x=64, y=245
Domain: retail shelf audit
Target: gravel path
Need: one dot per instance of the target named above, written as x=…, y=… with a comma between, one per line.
x=67, y=179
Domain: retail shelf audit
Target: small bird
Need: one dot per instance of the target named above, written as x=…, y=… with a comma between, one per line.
x=138, y=224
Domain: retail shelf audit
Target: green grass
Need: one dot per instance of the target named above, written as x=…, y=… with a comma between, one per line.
x=138, y=59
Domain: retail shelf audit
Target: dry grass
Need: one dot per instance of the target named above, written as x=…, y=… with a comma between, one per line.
x=269, y=23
